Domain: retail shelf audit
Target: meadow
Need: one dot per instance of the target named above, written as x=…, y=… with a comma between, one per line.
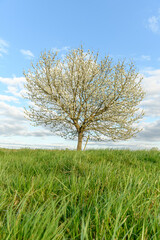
x=95, y=194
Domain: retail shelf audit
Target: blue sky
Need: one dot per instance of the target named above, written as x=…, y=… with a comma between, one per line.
x=123, y=29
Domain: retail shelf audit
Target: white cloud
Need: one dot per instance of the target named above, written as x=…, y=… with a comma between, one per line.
x=154, y=23
x=8, y=98
x=13, y=122
x=15, y=85
x=60, y=49
x=151, y=85
x=3, y=47
x=146, y=57
x=151, y=82
x=151, y=132
x=27, y=53
x=151, y=107
x=14, y=91
x=11, y=112
x=17, y=129
x=15, y=81
x=141, y=58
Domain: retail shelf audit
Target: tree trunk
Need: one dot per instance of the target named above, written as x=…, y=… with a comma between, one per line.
x=80, y=137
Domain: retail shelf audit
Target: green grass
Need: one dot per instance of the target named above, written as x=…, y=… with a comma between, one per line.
x=96, y=194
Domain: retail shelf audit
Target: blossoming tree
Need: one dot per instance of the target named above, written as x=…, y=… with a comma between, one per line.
x=81, y=96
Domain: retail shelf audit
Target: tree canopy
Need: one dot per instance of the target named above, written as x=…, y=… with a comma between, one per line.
x=80, y=96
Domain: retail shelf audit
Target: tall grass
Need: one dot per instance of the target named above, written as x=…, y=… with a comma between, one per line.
x=96, y=194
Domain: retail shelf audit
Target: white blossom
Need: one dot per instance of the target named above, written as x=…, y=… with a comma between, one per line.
x=82, y=96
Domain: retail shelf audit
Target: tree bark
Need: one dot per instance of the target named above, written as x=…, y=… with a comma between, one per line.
x=80, y=137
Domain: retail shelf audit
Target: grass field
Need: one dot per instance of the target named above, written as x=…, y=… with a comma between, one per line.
x=96, y=194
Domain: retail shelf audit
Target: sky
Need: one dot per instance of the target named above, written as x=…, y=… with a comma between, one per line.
x=123, y=29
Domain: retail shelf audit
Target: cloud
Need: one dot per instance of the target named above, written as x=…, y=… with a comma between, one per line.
x=151, y=85
x=146, y=57
x=15, y=91
x=3, y=47
x=8, y=98
x=151, y=132
x=27, y=53
x=60, y=49
x=13, y=122
x=15, y=85
x=14, y=81
x=141, y=58
x=153, y=23
x=151, y=106
x=11, y=112
x=9, y=128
